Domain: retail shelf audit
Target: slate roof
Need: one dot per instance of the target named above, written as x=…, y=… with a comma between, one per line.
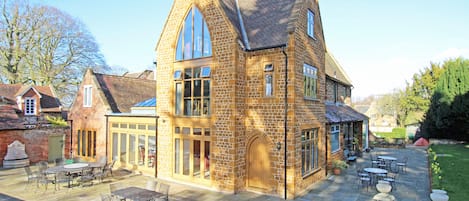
x=9, y=119
x=336, y=113
x=335, y=71
x=122, y=93
x=262, y=24
x=146, y=74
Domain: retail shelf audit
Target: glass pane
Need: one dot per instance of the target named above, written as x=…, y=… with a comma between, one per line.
x=188, y=36
x=141, y=150
x=268, y=85
x=186, y=157
x=123, y=125
x=197, y=72
x=132, y=148
x=78, y=142
x=94, y=143
x=197, y=131
x=207, y=41
x=115, y=145
x=187, y=89
x=197, y=88
x=188, y=107
x=179, y=47
x=197, y=34
x=196, y=155
x=132, y=126
x=123, y=153
x=151, y=151
x=152, y=127
x=206, y=108
x=197, y=107
x=178, y=98
x=188, y=73
x=206, y=88
x=177, y=130
x=205, y=72
x=142, y=127
x=176, y=156
x=186, y=130
x=83, y=143
x=207, y=132
x=207, y=160
x=115, y=125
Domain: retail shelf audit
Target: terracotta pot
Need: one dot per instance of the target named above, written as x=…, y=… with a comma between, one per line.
x=336, y=171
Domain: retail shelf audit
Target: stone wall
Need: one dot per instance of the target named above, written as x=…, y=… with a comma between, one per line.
x=35, y=141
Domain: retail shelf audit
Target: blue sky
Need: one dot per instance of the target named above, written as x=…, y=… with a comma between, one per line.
x=380, y=44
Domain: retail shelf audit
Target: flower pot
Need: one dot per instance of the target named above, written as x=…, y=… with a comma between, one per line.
x=336, y=171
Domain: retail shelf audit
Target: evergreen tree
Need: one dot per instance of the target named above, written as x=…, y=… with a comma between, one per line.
x=448, y=115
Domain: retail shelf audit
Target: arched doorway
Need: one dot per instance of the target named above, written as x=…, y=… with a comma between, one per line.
x=258, y=166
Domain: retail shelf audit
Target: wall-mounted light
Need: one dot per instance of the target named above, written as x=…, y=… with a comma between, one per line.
x=279, y=146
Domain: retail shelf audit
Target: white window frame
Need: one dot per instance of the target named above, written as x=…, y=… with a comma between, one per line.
x=335, y=134
x=30, y=106
x=310, y=28
x=87, y=96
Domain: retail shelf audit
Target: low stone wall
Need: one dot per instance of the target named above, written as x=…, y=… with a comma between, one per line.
x=36, y=142
x=389, y=143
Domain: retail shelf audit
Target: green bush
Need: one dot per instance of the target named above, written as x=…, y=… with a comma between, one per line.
x=56, y=121
x=396, y=133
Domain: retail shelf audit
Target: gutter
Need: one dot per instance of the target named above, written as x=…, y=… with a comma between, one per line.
x=285, y=122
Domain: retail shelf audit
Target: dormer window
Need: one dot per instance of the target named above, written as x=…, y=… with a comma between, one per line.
x=194, y=38
x=30, y=106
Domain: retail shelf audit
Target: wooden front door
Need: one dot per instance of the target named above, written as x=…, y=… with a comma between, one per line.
x=258, y=166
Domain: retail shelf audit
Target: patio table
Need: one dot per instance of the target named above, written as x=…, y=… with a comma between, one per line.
x=138, y=194
x=374, y=172
x=69, y=168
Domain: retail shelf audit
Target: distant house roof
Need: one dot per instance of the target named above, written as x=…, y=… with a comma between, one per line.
x=262, y=24
x=336, y=113
x=122, y=93
x=147, y=103
x=49, y=101
x=146, y=74
x=335, y=71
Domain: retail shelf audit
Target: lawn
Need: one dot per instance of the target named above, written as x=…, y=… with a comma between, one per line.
x=396, y=133
x=450, y=169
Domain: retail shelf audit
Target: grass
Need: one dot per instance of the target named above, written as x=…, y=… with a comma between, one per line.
x=396, y=133
x=450, y=169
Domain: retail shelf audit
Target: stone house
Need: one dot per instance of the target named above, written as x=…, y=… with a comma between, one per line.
x=241, y=89
x=101, y=95
x=346, y=128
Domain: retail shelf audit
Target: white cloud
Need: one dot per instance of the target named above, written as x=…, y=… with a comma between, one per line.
x=450, y=53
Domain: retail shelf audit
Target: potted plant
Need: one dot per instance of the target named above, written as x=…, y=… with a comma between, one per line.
x=338, y=165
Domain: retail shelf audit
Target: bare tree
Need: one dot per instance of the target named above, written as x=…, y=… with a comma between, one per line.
x=45, y=46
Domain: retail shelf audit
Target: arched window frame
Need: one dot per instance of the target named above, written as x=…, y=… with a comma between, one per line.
x=194, y=40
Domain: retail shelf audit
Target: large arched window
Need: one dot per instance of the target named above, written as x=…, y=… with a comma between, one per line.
x=194, y=37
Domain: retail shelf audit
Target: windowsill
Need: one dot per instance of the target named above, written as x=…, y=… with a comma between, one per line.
x=312, y=37
x=335, y=151
x=311, y=99
x=311, y=173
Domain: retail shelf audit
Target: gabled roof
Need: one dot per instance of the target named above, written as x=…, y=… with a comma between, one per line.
x=335, y=71
x=121, y=93
x=336, y=113
x=49, y=101
x=262, y=24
